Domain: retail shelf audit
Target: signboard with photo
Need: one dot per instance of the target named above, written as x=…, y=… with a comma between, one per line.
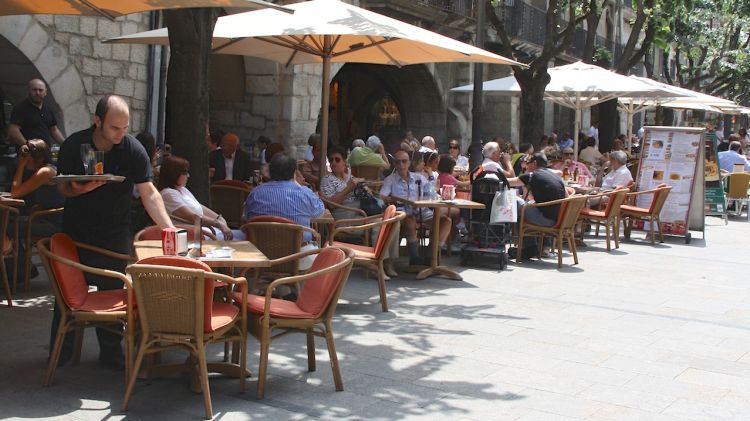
x=670, y=155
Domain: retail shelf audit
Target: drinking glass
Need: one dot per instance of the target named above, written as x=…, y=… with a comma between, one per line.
x=85, y=152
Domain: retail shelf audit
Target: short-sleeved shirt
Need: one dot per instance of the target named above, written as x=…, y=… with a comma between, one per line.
x=102, y=216
x=395, y=185
x=180, y=197
x=546, y=186
x=286, y=199
x=620, y=177
x=333, y=185
x=35, y=123
x=446, y=179
x=362, y=155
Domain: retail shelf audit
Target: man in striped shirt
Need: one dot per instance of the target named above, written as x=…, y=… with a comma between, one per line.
x=283, y=196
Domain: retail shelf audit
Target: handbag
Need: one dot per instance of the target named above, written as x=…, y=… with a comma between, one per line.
x=367, y=201
x=504, y=208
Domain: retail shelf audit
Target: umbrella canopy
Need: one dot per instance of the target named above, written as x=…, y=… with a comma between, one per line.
x=114, y=8
x=326, y=31
x=635, y=104
x=578, y=86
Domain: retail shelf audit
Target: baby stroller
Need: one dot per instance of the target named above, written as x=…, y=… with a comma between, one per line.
x=486, y=238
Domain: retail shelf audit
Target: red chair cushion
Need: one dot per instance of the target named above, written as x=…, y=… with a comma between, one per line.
x=592, y=212
x=560, y=214
x=359, y=250
x=105, y=301
x=71, y=281
x=222, y=314
x=635, y=210
x=317, y=292
x=385, y=230
x=188, y=263
x=279, y=308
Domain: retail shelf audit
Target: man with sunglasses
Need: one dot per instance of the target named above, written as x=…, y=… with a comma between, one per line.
x=403, y=183
x=571, y=164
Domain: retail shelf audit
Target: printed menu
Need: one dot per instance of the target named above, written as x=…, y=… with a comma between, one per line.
x=669, y=156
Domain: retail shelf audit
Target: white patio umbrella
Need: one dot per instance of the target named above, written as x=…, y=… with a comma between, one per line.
x=633, y=104
x=111, y=9
x=577, y=86
x=328, y=31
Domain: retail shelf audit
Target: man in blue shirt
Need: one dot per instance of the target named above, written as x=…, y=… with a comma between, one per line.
x=565, y=142
x=728, y=159
x=283, y=196
x=403, y=183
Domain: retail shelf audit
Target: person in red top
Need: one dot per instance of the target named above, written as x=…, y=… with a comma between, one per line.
x=446, y=178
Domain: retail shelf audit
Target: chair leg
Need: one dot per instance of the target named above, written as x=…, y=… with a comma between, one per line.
x=617, y=233
x=540, y=246
x=6, y=285
x=134, y=375
x=78, y=345
x=607, y=231
x=559, y=250
x=203, y=372
x=658, y=226
x=310, y=350
x=572, y=242
x=597, y=229
x=628, y=226
x=334, y=358
x=265, y=344
x=381, y=287
x=56, y=349
x=520, y=245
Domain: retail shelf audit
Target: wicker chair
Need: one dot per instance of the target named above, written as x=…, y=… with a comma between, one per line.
x=176, y=309
x=371, y=258
x=9, y=248
x=738, y=185
x=31, y=240
x=228, y=199
x=80, y=308
x=609, y=216
x=368, y=172
x=276, y=237
x=629, y=213
x=564, y=228
x=312, y=313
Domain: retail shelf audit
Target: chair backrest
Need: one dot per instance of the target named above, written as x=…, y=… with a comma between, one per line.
x=738, y=185
x=660, y=196
x=616, y=199
x=570, y=209
x=320, y=293
x=234, y=183
x=229, y=200
x=385, y=230
x=70, y=281
x=173, y=295
x=276, y=240
x=270, y=218
x=368, y=172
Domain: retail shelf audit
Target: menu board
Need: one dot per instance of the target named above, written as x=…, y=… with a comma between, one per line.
x=715, y=203
x=670, y=156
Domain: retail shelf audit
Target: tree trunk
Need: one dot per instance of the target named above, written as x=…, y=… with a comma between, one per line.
x=609, y=120
x=190, y=34
x=532, y=85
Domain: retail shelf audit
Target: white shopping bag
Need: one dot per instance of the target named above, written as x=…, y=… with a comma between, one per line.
x=504, y=208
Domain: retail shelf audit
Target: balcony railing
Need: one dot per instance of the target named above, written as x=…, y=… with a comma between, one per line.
x=459, y=7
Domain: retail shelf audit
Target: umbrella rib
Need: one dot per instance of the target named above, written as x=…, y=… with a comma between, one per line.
x=362, y=47
x=334, y=43
x=97, y=10
x=382, y=50
x=286, y=44
x=301, y=42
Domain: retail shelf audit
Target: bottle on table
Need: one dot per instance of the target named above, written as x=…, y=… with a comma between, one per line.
x=575, y=174
x=566, y=174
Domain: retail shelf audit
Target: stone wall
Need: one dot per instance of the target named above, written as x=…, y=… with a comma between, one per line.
x=67, y=53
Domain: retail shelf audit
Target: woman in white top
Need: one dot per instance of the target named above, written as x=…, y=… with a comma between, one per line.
x=495, y=160
x=180, y=202
x=339, y=185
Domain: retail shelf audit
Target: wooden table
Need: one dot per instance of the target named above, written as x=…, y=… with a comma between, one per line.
x=245, y=255
x=437, y=206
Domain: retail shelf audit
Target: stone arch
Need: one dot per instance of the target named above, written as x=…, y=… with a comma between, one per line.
x=54, y=65
x=412, y=89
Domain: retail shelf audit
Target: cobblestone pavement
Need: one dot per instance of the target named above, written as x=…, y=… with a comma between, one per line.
x=641, y=333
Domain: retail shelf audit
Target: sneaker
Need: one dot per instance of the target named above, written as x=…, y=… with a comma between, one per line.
x=462, y=230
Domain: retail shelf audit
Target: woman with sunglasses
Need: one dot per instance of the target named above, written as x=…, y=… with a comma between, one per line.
x=338, y=187
x=454, y=150
x=179, y=201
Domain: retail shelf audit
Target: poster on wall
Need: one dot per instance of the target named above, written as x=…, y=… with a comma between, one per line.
x=670, y=156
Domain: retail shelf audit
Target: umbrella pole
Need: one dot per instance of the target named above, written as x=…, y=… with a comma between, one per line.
x=325, y=101
x=575, y=135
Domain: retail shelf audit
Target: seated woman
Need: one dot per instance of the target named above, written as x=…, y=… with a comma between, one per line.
x=338, y=187
x=445, y=178
x=35, y=187
x=180, y=202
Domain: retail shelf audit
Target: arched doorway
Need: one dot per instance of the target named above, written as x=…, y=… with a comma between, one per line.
x=386, y=100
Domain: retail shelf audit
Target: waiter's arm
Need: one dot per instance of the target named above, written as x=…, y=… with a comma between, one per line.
x=57, y=135
x=14, y=132
x=154, y=204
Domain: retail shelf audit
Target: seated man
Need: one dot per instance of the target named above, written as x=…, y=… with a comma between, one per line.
x=619, y=175
x=545, y=186
x=406, y=184
x=728, y=159
x=372, y=155
x=571, y=165
x=283, y=196
x=428, y=145
x=229, y=162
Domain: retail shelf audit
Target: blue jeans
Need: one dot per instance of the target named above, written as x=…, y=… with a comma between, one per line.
x=534, y=216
